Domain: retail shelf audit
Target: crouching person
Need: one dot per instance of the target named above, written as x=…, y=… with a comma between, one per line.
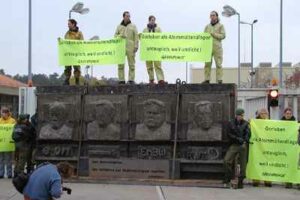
x=238, y=133
x=46, y=181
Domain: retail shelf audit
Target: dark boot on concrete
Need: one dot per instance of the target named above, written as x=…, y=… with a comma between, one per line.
x=151, y=82
x=131, y=82
x=66, y=81
x=240, y=184
x=161, y=82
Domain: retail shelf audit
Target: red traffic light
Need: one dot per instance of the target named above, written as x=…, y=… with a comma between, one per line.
x=273, y=98
x=274, y=93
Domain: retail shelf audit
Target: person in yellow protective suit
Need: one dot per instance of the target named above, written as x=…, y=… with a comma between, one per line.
x=153, y=28
x=6, y=157
x=128, y=31
x=217, y=31
x=72, y=34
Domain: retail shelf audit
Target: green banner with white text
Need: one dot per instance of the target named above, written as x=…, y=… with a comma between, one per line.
x=6, y=142
x=92, y=52
x=274, y=151
x=176, y=47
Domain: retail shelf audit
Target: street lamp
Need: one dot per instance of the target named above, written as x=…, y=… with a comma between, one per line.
x=78, y=8
x=252, y=70
x=280, y=45
x=229, y=11
x=29, y=81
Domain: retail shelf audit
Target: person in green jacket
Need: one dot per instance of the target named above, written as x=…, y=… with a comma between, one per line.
x=72, y=34
x=128, y=31
x=217, y=31
x=153, y=28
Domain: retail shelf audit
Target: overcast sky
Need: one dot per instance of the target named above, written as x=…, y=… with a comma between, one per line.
x=50, y=22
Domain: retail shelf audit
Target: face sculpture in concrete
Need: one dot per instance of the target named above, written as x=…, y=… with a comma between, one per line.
x=154, y=126
x=203, y=127
x=103, y=127
x=203, y=114
x=57, y=127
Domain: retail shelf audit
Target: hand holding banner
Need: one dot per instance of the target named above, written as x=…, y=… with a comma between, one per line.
x=6, y=142
x=92, y=52
x=275, y=152
x=177, y=47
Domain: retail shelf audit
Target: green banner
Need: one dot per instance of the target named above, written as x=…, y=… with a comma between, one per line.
x=92, y=52
x=6, y=142
x=177, y=47
x=274, y=153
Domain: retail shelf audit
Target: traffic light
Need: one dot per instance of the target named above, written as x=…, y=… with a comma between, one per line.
x=273, y=96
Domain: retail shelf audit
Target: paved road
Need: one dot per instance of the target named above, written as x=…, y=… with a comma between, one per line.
x=131, y=192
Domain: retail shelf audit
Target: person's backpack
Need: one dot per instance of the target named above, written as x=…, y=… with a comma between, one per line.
x=18, y=133
x=21, y=179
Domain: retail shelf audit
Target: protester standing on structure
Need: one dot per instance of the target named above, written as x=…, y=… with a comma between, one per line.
x=217, y=31
x=46, y=181
x=24, y=136
x=6, y=157
x=239, y=135
x=128, y=31
x=262, y=114
x=154, y=65
x=72, y=34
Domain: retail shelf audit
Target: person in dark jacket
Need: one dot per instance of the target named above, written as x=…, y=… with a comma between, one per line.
x=34, y=123
x=239, y=134
x=288, y=116
x=24, y=136
x=34, y=120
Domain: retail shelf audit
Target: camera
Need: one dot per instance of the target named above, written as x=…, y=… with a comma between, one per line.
x=68, y=190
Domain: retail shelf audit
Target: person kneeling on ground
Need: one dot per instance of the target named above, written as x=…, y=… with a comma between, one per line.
x=46, y=181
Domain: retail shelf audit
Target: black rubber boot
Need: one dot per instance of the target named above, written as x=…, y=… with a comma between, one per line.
x=66, y=82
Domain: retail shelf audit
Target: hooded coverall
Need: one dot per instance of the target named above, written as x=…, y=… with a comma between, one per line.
x=217, y=31
x=72, y=35
x=154, y=64
x=130, y=33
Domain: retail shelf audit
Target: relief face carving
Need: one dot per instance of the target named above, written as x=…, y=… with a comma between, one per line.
x=154, y=126
x=56, y=128
x=203, y=127
x=103, y=127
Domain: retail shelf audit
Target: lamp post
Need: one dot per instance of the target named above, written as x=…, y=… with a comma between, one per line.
x=29, y=81
x=229, y=11
x=281, y=100
x=186, y=72
x=252, y=68
x=280, y=44
x=78, y=8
